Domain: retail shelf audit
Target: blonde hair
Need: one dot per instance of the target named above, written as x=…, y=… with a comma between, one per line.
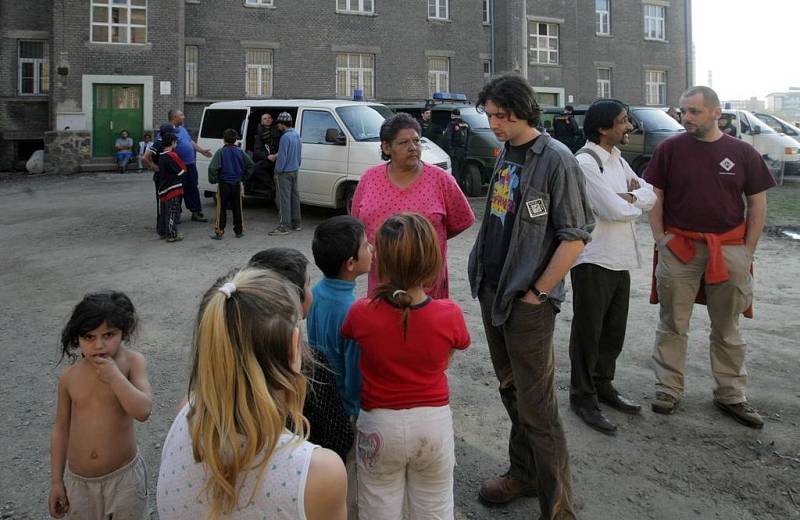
x=243, y=389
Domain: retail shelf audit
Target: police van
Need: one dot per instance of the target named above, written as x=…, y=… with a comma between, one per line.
x=341, y=139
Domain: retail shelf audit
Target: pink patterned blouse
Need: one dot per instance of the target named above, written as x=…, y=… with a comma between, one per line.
x=434, y=194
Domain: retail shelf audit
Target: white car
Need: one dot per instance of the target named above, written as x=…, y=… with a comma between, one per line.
x=778, y=150
x=340, y=141
x=779, y=125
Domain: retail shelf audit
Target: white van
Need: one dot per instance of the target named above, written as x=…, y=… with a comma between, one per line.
x=340, y=141
x=778, y=150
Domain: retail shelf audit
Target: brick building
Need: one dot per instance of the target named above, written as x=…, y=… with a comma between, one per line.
x=100, y=65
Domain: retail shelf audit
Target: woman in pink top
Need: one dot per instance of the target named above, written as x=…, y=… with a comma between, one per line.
x=406, y=184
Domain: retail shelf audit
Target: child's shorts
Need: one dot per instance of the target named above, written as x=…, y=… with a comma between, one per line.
x=121, y=494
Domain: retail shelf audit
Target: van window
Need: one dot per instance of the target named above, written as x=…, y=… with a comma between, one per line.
x=655, y=119
x=364, y=121
x=474, y=118
x=216, y=121
x=314, y=125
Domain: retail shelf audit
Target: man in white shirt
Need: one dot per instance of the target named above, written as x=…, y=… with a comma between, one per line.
x=600, y=278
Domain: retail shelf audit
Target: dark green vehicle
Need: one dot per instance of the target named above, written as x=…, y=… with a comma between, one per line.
x=482, y=146
x=651, y=125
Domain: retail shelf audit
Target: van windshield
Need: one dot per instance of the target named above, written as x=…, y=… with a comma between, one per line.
x=364, y=121
x=655, y=120
x=474, y=118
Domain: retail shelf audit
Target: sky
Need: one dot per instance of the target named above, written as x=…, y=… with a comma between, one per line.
x=752, y=47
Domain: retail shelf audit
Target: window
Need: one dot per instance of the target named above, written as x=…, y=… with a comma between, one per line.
x=543, y=42
x=487, y=70
x=354, y=6
x=438, y=75
x=119, y=21
x=34, y=67
x=602, y=17
x=487, y=12
x=438, y=9
x=654, y=22
x=258, y=3
x=216, y=121
x=315, y=124
x=655, y=83
x=191, y=71
x=258, y=78
x=355, y=71
x=603, y=83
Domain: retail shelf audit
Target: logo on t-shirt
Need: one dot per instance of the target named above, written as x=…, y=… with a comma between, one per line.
x=536, y=208
x=727, y=165
x=503, y=194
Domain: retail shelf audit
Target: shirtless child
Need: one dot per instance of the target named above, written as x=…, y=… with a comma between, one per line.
x=97, y=471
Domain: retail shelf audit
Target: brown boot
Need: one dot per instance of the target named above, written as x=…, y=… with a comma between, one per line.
x=504, y=489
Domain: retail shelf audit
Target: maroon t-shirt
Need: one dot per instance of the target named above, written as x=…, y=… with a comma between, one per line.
x=703, y=182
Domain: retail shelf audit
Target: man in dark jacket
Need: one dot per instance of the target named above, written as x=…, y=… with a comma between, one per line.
x=265, y=144
x=566, y=130
x=457, y=138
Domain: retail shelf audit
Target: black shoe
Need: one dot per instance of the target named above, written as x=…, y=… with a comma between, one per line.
x=216, y=236
x=199, y=217
x=594, y=418
x=239, y=235
x=613, y=398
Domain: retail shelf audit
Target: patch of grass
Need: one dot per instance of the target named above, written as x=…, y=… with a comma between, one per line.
x=783, y=205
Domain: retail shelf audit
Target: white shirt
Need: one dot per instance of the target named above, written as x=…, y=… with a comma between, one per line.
x=614, y=244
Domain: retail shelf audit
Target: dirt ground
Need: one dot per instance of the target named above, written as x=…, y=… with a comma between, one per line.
x=61, y=237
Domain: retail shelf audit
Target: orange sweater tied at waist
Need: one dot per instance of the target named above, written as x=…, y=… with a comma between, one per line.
x=682, y=245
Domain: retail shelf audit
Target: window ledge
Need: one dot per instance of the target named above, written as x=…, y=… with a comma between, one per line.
x=656, y=40
x=537, y=64
x=143, y=46
x=250, y=6
x=486, y=24
x=442, y=21
x=28, y=97
x=604, y=35
x=356, y=13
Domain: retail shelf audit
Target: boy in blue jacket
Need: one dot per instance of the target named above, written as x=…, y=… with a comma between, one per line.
x=229, y=167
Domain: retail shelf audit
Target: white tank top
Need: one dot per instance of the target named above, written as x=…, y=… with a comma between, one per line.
x=280, y=495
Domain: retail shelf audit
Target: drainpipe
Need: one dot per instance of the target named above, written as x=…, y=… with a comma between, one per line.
x=524, y=57
x=689, y=45
x=491, y=38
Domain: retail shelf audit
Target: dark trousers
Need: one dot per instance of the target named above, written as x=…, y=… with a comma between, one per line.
x=170, y=214
x=600, y=308
x=161, y=227
x=191, y=193
x=522, y=355
x=229, y=197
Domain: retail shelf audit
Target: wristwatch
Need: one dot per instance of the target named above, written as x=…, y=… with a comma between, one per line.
x=541, y=295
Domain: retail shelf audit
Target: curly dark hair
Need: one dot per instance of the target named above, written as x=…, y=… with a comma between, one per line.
x=512, y=93
x=111, y=307
x=393, y=125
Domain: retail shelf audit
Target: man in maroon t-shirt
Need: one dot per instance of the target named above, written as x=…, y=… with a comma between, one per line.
x=701, y=179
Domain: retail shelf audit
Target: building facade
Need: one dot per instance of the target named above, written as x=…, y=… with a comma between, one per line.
x=104, y=65
x=785, y=104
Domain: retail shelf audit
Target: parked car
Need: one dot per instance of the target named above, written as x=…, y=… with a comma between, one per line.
x=482, y=146
x=340, y=141
x=651, y=125
x=778, y=150
x=779, y=125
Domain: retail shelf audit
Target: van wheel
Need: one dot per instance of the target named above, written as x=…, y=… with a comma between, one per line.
x=471, y=181
x=349, y=191
x=641, y=168
x=209, y=194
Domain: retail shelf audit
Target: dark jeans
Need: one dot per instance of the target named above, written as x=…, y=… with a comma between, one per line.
x=522, y=355
x=191, y=193
x=170, y=213
x=287, y=198
x=600, y=316
x=229, y=197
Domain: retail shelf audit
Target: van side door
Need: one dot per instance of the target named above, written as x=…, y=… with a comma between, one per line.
x=324, y=157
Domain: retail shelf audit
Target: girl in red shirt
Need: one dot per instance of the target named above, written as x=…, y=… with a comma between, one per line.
x=405, y=427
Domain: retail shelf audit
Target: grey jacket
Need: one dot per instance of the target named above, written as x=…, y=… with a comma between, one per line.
x=553, y=207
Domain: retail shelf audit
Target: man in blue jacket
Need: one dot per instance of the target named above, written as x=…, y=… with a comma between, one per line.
x=287, y=162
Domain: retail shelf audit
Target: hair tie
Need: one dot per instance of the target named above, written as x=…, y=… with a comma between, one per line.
x=227, y=289
x=398, y=291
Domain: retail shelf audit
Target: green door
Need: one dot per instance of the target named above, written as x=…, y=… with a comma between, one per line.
x=116, y=108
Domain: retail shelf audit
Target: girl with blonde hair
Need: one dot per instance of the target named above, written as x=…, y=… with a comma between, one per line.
x=229, y=452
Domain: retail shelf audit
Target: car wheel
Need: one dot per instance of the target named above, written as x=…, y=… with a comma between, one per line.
x=471, y=181
x=641, y=168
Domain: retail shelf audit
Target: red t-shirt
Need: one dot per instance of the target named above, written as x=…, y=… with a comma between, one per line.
x=405, y=373
x=703, y=182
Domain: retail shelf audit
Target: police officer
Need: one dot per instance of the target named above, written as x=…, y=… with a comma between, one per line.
x=457, y=137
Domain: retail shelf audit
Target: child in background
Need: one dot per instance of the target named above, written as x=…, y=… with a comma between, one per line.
x=229, y=452
x=229, y=167
x=170, y=187
x=144, y=145
x=405, y=444
x=97, y=471
x=329, y=425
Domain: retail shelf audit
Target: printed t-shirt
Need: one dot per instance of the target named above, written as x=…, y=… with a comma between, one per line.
x=703, y=182
x=400, y=373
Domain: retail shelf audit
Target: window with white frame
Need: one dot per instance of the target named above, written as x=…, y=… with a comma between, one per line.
x=191, y=71
x=119, y=21
x=438, y=9
x=602, y=17
x=654, y=16
x=34, y=67
x=258, y=78
x=543, y=38
x=438, y=75
x=487, y=12
x=655, y=83
x=258, y=3
x=603, y=82
x=355, y=72
x=487, y=70
x=355, y=6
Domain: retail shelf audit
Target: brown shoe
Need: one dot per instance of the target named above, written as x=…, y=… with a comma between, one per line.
x=742, y=412
x=504, y=489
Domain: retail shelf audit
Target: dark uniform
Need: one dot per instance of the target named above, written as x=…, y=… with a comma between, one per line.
x=457, y=138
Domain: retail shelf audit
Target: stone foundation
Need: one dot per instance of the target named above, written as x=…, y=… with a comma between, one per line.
x=65, y=150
